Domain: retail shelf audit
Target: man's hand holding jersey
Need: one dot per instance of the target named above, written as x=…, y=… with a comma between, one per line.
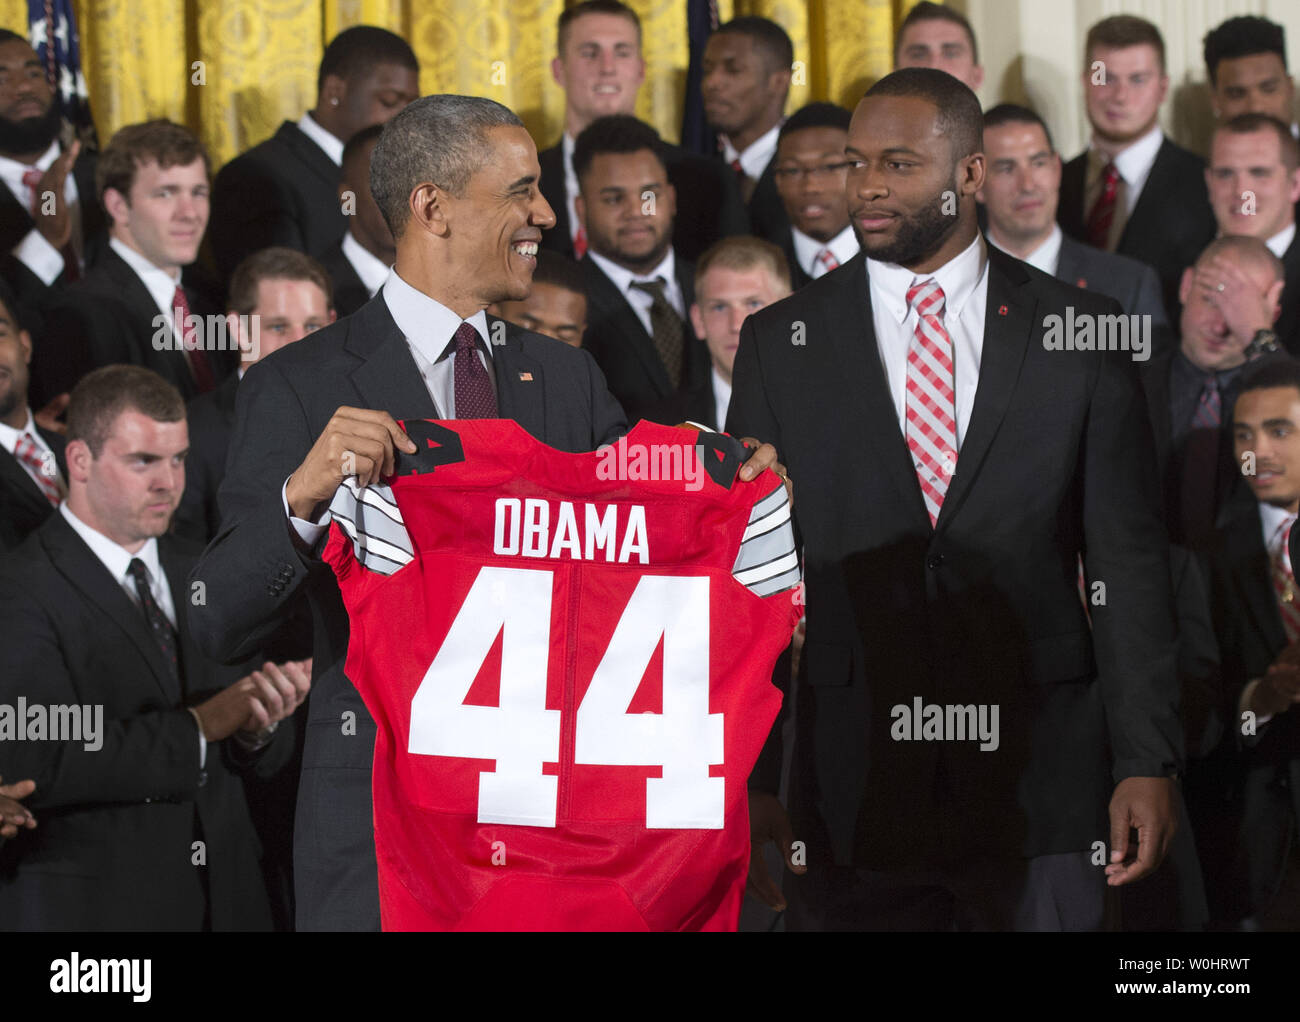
x=361, y=442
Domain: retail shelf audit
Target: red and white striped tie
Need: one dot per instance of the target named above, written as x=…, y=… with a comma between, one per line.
x=1284, y=583
x=828, y=260
x=40, y=468
x=931, y=411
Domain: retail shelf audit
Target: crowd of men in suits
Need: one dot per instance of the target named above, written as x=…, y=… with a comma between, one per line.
x=1095, y=542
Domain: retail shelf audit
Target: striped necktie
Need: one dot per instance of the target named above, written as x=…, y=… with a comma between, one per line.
x=931, y=405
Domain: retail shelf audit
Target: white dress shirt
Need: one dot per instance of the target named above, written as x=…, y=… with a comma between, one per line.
x=721, y=396
x=118, y=560
x=9, y=441
x=33, y=251
x=965, y=284
x=160, y=284
x=844, y=246
x=430, y=330
x=370, y=268
x=1045, y=257
x=640, y=300
x=757, y=155
x=570, y=184
x=329, y=144
x=1281, y=241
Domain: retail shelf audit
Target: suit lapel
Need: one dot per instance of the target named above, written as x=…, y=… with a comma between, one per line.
x=1006, y=338
x=520, y=381
x=311, y=155
x=15, y=477
x=1252, y=574
x=177, y=568
x=1160, y=185
x=86, y=573
x=551, y=162
x=605, y=295
x=387, y=377
x=1069, y=211
x=853, y=334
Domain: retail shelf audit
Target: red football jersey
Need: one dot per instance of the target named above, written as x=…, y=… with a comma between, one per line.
x=569, y=659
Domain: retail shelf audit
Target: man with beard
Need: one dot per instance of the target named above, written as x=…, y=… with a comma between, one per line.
x=50, y=224
x=638, y=288
x=1134, y=191
x=953, y=468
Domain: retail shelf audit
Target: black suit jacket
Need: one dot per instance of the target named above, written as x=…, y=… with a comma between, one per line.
x=798, y=277
x=1170, y=225
x=982, y=609
x=108, y=317
x=1245, y=800
x=211, y=419
x=1130, y=282
x=281, y=192
x=1288, y=320
x=16, y=221
x=254, y=568
x=694, y=405
x=708, y=201
x=349, y=293
x=625, y=351
x=114, y=845
x=22, y=504
x=767, y=216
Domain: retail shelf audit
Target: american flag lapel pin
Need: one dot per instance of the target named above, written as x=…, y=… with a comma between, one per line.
x=526, y=377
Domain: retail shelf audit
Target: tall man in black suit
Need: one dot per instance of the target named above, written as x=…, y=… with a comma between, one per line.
x=285, y=190
x=1134, y=191
x=277, y=296
x=33, y=476
x=638, y=287
x=1247, y=833
x=143, y=819
x=745, y=81
x=358, y=264
x=50, y=221
x=467, y=224
x=1254, y=184
x=942, y=523
x=1022, y=186
x=809, y=170
x=599, y=66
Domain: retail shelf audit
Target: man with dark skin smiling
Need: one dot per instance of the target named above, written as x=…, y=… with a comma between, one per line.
x=954, y=468
x=283, y=191
x=456, y=178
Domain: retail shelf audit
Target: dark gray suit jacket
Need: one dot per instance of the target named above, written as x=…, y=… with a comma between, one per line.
x=1129, y=281
x=256, y=564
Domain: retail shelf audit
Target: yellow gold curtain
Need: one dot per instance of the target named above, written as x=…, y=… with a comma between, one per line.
x=233, y=69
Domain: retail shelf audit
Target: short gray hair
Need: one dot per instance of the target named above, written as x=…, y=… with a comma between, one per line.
x=439, y=139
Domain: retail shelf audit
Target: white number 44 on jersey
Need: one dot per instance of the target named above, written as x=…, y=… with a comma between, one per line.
x=521, y=734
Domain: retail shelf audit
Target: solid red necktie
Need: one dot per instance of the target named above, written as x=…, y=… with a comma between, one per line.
x=194, y=353
x=580, y=242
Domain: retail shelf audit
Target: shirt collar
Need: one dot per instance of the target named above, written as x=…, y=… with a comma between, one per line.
x=844, y=246
x=1272, y=519
x=957, y=277
x=332, y=146
x=428, y=325
x=1045, y=257
x=160, y=284
x=370, y=268
x=14, y=169
x=757, y=155
x=1281, y=241
x=623, y=279
x=9, y=436
x=115, y=558
x=1135, y=160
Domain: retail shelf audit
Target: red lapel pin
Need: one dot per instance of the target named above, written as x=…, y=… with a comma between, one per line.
x=1081, y=283
x=1002, y=310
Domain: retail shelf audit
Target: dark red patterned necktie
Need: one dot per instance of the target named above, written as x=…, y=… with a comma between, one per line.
x=198, y=359
x=163, y=632
x=1103, y=210
x=474, y=396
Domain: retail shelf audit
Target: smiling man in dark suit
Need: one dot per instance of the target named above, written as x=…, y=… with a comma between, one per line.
x=599, y=66
x=1022, y=187
x=457, y=180
x=143, y=818
x=284, y=191
x=1134, y=191
x=953, y=465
